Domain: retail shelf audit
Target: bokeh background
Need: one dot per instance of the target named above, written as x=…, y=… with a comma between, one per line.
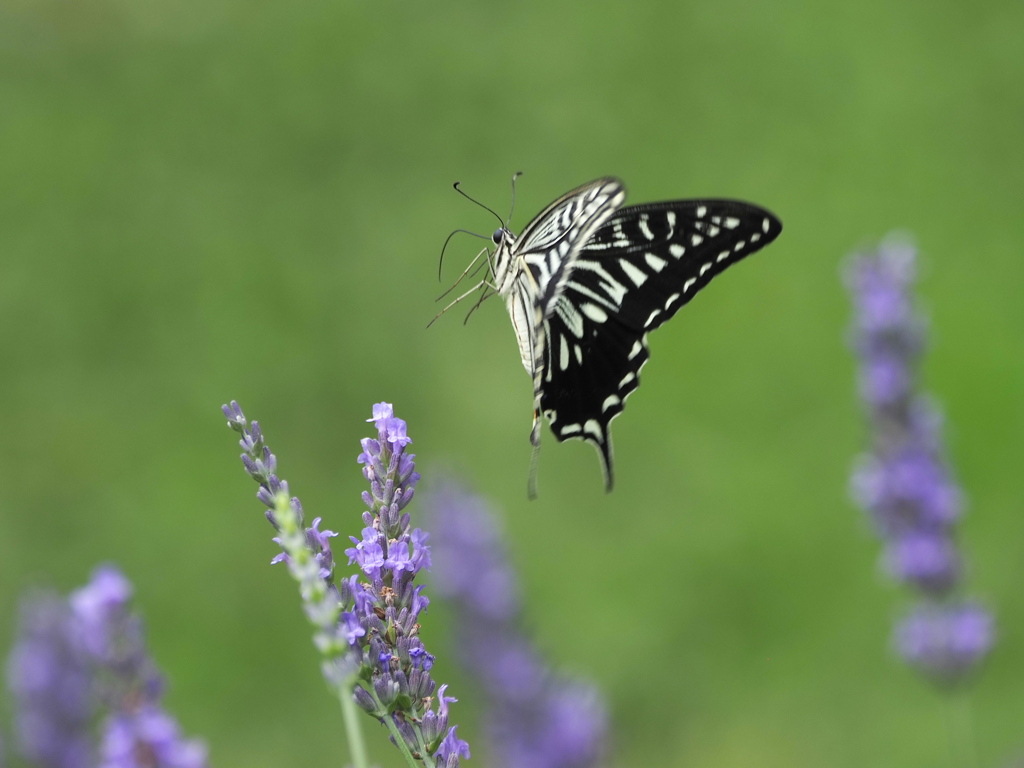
x=211, y=200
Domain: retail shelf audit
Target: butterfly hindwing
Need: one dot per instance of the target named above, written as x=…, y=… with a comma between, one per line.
x=590, y=370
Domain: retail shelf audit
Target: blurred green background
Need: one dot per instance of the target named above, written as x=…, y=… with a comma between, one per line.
x=211, y=200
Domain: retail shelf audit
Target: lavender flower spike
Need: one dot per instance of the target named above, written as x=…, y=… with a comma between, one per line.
x=904, y=482
x=535, y=719
x=307, y=552
x=137, y=730
x=83, y=655
x=367, y=631
x=396, y=666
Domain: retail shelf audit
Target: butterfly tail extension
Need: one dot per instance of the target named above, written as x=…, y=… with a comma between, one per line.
x=604, y=450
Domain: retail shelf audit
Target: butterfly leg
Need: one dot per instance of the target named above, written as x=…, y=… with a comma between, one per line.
x=466, y=271
x=482, y=284
x=483, y=297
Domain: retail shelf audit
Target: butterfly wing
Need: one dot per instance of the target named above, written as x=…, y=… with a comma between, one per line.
x=628, y=278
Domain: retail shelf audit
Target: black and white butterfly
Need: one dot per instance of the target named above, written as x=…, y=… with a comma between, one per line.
x=587, y=280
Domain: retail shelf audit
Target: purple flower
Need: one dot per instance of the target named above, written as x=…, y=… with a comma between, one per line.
x=113, y=638
x=87, y=654
x=904, y=482
x=396, y=435
x=476, y=570
x=368, y=553
x=51, y=682
x=352, y=628
x=146, y=738
x=399, y=558
x=534, y=718
x=391, y=554
x=906, y=488
x=369, y=626
x=452, y=748
x=945, y=641
x=884, y=379
x=569, y=730
x=929, y=561
x=100, y=607
x=880, y=286
x=420, y=551
x=138, y=733
x=381, y=413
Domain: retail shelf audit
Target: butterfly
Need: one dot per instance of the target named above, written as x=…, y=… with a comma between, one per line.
x=587, y=280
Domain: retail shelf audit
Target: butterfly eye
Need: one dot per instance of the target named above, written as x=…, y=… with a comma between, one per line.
x=498, y=234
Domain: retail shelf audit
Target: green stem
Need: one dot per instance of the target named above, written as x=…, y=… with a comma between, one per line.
x=350, y=714
x=402, y=746
x=961, y=733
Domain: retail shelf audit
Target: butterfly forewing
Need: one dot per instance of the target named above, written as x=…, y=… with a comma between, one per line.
x=632, y=275
x=599, y=198
x=649, y=260
x=551, y=242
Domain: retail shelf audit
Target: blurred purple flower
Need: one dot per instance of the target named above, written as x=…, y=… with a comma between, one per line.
x=534, y=718
x=86, y=654
x=50, y=680
x=114, y=640
x=100, y=608
x=929, y=561
x=906, y=487
x=904, y=482
x=147, y=737
x=884, y=379
x=945, y=640
x=137, y=733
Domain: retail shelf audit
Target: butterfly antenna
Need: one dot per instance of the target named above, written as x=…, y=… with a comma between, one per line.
x=512, y=208
x=456, y=186
x=445, y=246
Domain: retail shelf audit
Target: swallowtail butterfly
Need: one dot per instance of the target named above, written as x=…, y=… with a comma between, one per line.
x=587, y=280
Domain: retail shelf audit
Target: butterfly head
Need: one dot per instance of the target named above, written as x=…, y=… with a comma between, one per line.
x=502, y=260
